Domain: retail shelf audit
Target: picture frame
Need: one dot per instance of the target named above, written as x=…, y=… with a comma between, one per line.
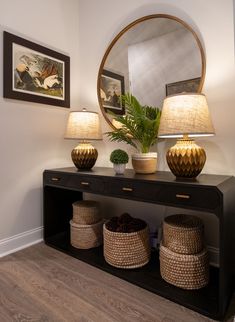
x=35, y=73
x=188, y=85
x=112, y=86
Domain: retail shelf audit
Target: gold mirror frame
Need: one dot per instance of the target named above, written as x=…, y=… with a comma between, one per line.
x=128, y=27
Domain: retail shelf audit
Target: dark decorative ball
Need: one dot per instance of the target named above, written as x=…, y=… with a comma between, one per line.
x=125, y=224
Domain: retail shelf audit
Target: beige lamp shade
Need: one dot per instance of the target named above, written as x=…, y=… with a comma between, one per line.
x=83, y=125
x=185, y=114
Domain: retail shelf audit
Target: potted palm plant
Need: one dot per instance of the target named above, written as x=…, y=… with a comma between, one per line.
x=138, y=128
x=119, y=158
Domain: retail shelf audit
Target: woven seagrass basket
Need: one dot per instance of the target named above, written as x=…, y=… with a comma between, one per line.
x=183, y=234
x=189, y=272
x=86, y=236
x=127, y=250
x=86, y=212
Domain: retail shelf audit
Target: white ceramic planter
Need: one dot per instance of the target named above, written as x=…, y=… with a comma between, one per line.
x=119, y=168
x=144, y=162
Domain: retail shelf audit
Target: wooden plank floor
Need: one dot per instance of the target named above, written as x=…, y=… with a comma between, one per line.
x=42, y=284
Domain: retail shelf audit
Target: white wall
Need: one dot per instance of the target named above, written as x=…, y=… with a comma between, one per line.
x=162, y=60
x=101, y=20
x=31, y=136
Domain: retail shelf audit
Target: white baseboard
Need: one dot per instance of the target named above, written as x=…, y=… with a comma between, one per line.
x=20, y=241
x=213, y=255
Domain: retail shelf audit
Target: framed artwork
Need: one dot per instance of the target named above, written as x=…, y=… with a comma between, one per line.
x=35, y=73
x=189, y=85
x=112, y=87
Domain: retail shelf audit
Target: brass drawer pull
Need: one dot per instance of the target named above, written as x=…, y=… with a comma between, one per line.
x=127, y=189
x=182, y=196
x=84, y=183
x=55, y=179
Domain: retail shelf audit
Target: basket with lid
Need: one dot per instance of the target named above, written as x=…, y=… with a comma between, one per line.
x=183, y=234
x=86, y=212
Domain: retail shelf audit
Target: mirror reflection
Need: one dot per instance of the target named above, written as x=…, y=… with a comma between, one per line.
x=153, y=57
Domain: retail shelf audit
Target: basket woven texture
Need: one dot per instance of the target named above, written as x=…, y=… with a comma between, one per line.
x=86, y=212
x=86, y=236
x=127, y=250
x=189, y=272
x=183, y=234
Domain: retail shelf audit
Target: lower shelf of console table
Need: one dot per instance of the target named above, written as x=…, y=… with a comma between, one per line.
x=205, y=300
x=213, y=194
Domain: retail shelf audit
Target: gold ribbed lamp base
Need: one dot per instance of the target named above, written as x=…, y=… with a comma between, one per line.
x=186, y=159
x=84, y=156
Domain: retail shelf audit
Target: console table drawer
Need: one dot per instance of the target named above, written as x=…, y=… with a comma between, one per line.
x=86, y=184
x=128, y=189
x=82, y=183
x=202, y=198
x=57, y=179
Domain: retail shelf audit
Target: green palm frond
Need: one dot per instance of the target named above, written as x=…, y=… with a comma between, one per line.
x=121, y=136
x=139, y=126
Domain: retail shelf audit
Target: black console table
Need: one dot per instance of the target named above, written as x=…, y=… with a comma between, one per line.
x=209, y=193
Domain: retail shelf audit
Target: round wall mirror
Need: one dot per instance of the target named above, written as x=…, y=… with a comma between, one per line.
x=153, y=57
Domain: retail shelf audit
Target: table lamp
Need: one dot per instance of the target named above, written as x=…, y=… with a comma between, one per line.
x=184, y=116
x=84, y=126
